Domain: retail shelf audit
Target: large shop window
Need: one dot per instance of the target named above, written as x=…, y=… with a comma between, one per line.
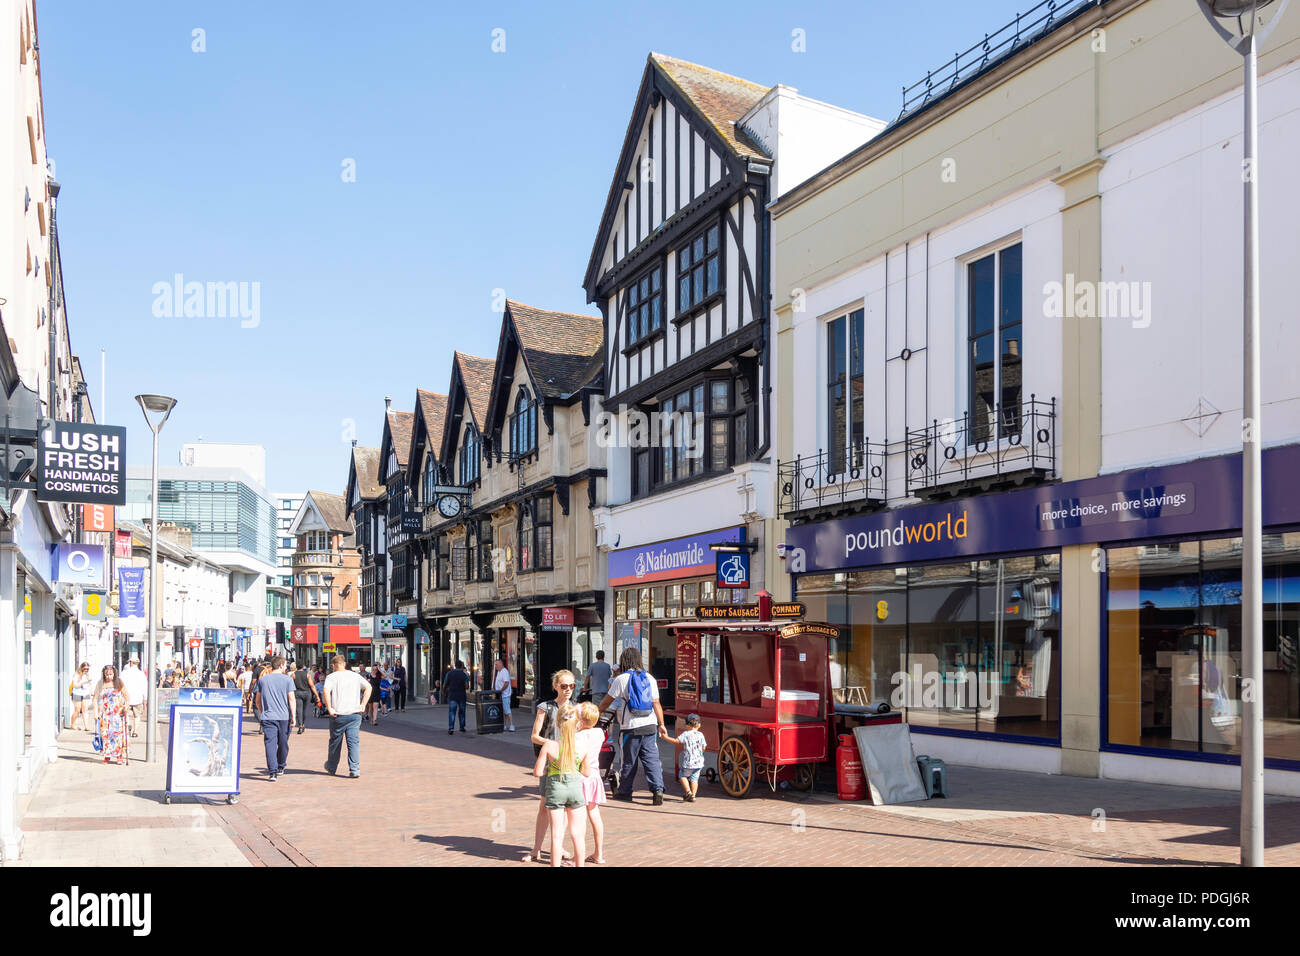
x=1174, y=646
x=971, y=646
x=995, y=344
x=844, y=392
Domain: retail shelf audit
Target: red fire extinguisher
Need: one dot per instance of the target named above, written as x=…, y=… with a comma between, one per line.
x=849, y=778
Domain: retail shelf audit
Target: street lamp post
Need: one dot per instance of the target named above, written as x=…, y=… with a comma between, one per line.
x=156, y=408
x=328, y=578
x=183, y=593
x=1237, y=22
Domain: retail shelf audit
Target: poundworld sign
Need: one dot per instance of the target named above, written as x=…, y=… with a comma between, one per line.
x=81, y=463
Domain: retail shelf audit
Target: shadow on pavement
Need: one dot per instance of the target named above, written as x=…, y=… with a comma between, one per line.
x=474, y=846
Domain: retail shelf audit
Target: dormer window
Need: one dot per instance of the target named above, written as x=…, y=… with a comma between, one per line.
x=470, y=454
x=523, y=425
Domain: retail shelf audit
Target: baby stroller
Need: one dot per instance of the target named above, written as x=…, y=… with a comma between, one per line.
x=320, y=704
x=607, y=772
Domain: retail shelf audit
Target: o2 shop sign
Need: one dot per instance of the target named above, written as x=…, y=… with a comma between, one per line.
x=81, y=463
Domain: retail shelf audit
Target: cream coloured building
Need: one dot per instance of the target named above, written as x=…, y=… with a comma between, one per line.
x=1008, y=364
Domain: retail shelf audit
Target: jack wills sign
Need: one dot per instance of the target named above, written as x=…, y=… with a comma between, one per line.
x=81, y=463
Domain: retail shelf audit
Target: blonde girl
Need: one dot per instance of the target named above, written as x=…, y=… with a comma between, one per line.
x=562, y=768
x=593, y=788
x=545, y=728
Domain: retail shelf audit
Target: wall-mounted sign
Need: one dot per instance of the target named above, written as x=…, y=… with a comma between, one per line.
x=81, y=463
x=302, y=634
x=366, y=628
x=97, y=517
x=557, y=618
x=818, y=630
x=688, y=670
x=665, y=560
x=328, y=648
x=94, y=607
x=121, y=544
x=412, y=522
x=733, y=569
x=79, y=564
x=746, y=612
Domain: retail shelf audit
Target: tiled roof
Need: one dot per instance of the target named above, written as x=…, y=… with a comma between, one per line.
x=476, y=376
x=558, y=347
x=433, y=409
x=721, y=98
x=366, y=463
x=333, y=510
x=399, y=427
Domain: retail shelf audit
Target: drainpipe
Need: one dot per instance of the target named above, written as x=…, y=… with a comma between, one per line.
x=51, y=267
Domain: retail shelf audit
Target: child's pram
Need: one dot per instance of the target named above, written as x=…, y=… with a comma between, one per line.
x=607, y=772
x=320, y=702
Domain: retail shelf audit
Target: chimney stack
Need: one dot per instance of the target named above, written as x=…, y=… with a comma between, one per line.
x=388, y=403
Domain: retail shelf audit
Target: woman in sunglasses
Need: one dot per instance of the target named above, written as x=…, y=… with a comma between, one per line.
x=110, y=713
x=545, y=727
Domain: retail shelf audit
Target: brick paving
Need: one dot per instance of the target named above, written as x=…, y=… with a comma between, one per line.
x=425, y=798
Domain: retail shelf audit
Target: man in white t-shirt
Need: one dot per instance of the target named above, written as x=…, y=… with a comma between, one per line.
x=346, y=695
x=501, y=682
x=136, y=686
x=639, y=730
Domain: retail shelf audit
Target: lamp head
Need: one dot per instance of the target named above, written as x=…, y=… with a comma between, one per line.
x=156, y=409
x=1238, y=21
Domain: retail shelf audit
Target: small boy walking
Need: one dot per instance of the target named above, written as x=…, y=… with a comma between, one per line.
x=691, y=759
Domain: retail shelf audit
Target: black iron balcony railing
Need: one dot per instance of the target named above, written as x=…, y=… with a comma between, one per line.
x=1014, y=443
x=832, y=480
x=1036, y=22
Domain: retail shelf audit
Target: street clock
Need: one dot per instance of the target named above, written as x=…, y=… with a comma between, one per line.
x=449, y=506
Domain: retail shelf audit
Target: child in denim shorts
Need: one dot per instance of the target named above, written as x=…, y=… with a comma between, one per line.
x=691, y=760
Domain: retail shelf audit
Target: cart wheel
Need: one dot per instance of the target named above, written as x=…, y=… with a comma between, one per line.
x=803, y=777
x=736, y=766
x=167, y=798
x=232, y=798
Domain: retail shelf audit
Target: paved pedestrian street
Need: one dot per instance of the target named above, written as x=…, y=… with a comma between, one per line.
x=428, y=799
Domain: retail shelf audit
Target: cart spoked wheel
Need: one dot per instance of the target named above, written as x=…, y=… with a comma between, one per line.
x=802, y=779
x=736, y=766
x=167, y=798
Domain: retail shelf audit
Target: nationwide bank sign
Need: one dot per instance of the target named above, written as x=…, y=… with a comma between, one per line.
x=1198, y=497
x=665, y=560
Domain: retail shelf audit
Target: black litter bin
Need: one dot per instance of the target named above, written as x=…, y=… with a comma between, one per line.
x=489, y=714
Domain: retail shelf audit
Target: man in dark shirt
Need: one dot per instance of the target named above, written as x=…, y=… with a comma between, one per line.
x=303, y=693
x=399, y=687
x=454, y=683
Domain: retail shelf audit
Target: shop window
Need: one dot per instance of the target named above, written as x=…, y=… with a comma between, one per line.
x=690, y=598
x=673, y=600
x=620, y=605
x=1174, y=646
x=969, y=646
x=644, y=603
x=994, y=344
x=658, y=602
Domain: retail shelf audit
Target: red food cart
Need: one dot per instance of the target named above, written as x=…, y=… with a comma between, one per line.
x=762, y=691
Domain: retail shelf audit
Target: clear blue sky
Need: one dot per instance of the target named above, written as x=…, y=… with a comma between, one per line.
x=474, y=171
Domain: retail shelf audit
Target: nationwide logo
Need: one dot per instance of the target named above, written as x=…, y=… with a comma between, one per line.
x=944, y=529
x=653, y=562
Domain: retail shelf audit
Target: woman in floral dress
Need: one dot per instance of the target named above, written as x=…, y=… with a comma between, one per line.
x=110, y=712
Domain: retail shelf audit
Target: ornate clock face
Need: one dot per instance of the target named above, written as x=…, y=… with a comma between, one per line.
x=449, y=506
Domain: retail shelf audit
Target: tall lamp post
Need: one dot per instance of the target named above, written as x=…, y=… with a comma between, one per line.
x=1237, y=22
x=156, y=408
x=328, y=578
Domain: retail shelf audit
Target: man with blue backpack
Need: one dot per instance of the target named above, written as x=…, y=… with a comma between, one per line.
x=640, y=721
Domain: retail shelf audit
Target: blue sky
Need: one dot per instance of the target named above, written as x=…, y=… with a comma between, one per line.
x=475, y=171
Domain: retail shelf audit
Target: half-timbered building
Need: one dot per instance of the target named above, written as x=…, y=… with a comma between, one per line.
x=680, y=271
x=400, y=526
x=423, y=475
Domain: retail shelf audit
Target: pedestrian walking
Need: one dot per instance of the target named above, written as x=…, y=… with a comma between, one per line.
x=596, y=684
x=546, y=728
x=304, y=692
x=375, y=678
x=346, y=696
x=640, y=716
x=399, y=686
x=137, y=693
x=562, y=768
x=589, y=741
x=691, y=760
x=454, y=684
x=501, y=684
x=245, y=678
x=111, y=716
x=83, y=693
x=274, y=704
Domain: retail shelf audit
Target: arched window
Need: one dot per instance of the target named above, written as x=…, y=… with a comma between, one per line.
x=523, y=424
x=430, y=478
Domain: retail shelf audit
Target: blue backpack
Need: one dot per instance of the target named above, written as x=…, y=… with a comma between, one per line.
x=639, y=701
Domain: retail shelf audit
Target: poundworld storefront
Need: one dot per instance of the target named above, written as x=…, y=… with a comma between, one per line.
x=1087, y=627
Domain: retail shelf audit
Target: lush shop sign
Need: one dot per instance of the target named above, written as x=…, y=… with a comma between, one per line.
x=81, y=463
x=665, y=560
x=1197, y=497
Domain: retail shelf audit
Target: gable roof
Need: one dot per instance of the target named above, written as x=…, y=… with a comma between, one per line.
x=365, y=473
x=429, y=424
x=718, y=100
x=333, y=511
x=476, y=379
x=557, y=346
x=398, y=433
